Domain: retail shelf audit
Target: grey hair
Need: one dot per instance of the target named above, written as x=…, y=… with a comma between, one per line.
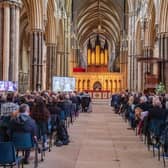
x=157, y=102
x=24, y=108
x=144, y=98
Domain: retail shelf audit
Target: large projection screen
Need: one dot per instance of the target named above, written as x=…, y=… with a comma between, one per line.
x=63, y=84
x=8, y=86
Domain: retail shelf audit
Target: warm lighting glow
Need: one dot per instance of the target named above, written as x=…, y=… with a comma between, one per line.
x=93, y=57
x=97, y=54
x=102, y=59
x=106, y=56
x=89, y=56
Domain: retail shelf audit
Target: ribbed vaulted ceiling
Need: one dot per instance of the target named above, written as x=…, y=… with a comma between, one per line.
x=91, y=14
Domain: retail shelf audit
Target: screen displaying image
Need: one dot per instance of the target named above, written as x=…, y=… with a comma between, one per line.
x=8, y=86
x=12, y=86
x=63, y=84
x=2, y=86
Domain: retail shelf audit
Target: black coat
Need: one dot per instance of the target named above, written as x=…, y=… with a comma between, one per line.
x=157, y=113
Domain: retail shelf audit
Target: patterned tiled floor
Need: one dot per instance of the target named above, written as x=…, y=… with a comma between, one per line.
x=100, y=140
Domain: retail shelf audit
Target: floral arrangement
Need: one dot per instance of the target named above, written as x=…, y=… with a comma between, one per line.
x=160, y=89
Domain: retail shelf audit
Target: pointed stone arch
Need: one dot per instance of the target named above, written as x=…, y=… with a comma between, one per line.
x=163, y=16
x=51, y=42
x=150, y=35
x=36, y=14
x=51, y=26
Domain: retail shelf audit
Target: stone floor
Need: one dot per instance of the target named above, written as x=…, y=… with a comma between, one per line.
x=100, y=140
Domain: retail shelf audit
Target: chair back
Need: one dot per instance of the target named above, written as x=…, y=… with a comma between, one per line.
x=73, y=109
x=7, y=153
x=22, y=141
x=67, y=109
x=54, y=122
x=62, y=115
x=155, y=127
x=1, y=138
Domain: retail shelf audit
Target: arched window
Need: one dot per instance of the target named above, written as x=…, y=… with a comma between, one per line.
x=97, y=86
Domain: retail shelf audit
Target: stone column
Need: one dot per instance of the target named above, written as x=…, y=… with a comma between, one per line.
x=62, y=59
x=16, y=68
x=51, y=64
x=166, y=59
x=161, y=57
x=6, y=38
x=12, y=43
x=148, y=53
x=163, y=53
x=1, y=43
x=36, y=41
x=163, y=47
x=62, y=63
x=139, y=76
x=58, y=58
x=9, y=39
x=131, y=53
x=69, y=69
x=66, y=64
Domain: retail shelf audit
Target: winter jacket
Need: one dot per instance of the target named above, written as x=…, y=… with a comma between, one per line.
x=23, y=123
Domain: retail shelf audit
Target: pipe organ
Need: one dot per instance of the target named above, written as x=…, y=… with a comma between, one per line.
x=97, y=55
x=97, y=79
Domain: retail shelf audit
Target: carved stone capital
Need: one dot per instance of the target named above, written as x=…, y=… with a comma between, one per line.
x=16, y=3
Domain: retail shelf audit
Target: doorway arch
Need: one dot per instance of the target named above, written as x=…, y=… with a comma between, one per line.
x=97, y=86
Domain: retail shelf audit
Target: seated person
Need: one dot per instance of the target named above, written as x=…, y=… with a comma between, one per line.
x=8, y=108
x=157, y=112
x=23, y=123
x=41, y=115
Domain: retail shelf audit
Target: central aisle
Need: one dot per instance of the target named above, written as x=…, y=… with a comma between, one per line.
x=100, y=140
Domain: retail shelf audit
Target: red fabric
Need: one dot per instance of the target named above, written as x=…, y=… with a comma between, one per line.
x=79, y=69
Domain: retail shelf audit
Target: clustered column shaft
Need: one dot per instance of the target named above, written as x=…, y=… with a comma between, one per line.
x=37, y=39
x=163, y=52
x=9, y=39
x=51, y=64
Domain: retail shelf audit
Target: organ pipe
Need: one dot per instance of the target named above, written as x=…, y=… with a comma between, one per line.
x=93, y=57
x=106, y=52
x=106, y=57
x=89, y=50
x=89, y=56
x=102, y=58
x=97, y=54
x=97, y=44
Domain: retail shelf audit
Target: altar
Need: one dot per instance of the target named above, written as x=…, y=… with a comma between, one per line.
x=95, y=94
x=99, y=83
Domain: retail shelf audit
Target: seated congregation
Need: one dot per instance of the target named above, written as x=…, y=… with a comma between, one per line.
x=147, y=115
x=35, y=122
